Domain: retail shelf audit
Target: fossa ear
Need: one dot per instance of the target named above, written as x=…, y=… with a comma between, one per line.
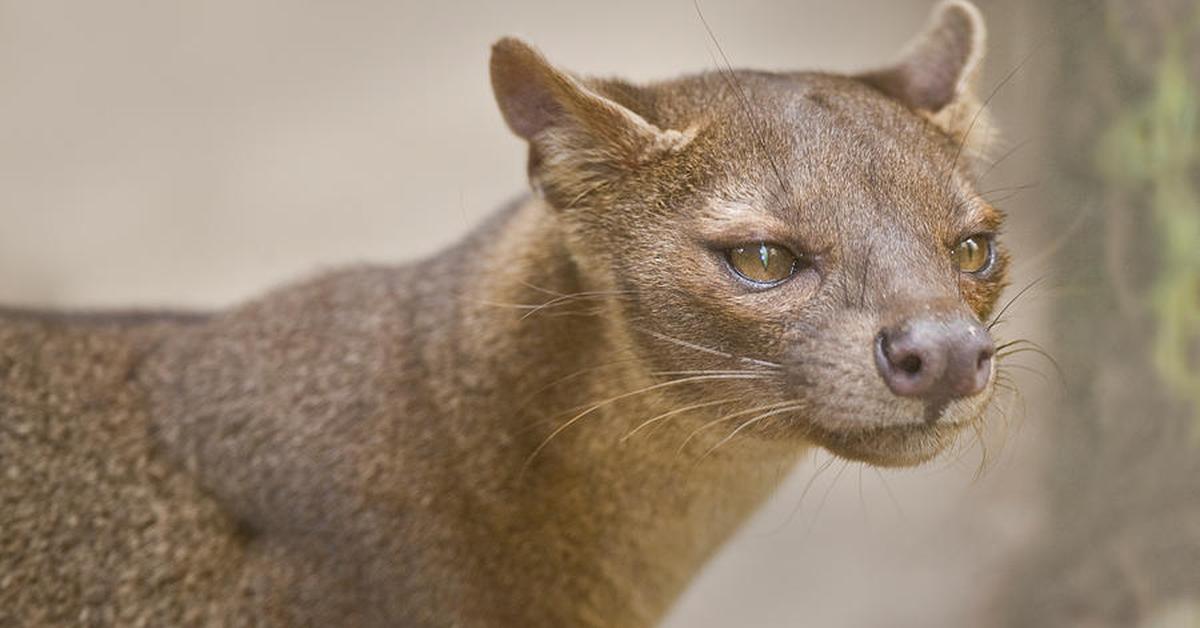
x=936, y=74
x=576, y=135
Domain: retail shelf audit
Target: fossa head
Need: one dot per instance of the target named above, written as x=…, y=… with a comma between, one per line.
x=819, y=234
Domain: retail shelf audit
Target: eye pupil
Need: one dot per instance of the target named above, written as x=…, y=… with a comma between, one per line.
x=764, y=254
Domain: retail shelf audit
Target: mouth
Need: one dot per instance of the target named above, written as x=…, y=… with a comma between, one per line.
x=904, y=443
x=890, y=446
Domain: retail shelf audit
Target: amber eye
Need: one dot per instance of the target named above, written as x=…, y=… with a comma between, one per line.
x=762, y=262
x=974, y=254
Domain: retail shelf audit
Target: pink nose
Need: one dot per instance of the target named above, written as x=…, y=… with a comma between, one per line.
x=935, y=357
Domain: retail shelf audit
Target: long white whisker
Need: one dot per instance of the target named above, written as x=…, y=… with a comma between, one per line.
x=758, y=374
x=567, y=298
x=617, y=398
x=747, y=423
x=701, y=348
x=729, y=417
x=540, y=289
x=667, y=415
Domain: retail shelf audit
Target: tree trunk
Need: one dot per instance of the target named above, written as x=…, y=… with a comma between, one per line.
x=1121, y=542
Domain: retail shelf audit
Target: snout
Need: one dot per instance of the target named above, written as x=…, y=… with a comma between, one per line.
x=935, y=357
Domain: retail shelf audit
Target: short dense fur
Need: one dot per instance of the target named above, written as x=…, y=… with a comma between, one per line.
x=553, y=423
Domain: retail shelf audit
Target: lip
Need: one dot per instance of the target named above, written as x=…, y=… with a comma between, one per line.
x=902, y=445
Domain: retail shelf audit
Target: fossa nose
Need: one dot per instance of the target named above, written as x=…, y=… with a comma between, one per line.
x=935, y=356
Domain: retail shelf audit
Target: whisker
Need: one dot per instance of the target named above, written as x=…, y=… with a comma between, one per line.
x=553, y=293
x=1014, y=342
x=570, y=376
x=567, y=298
x=1011, y=301
x=804, y=494
x=1009, y=153
x=1004, y=381
x=1020, y=345
x=1006, y=420
x=824, y=499
x=1028, y=369
x=748, y=423
x=703, y=349
x=729, y=417
x=615, y=399
x=671, y=413
x=596, y=311
x=892, y=496
x=984, y=457
x=986, y=195
x=537, y=306
x=730, y=78
x=760, y=374
x=1036, y=350
x=521, y=306
x=983, y=107
x=953, y=459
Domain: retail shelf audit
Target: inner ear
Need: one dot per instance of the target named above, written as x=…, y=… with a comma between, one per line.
x=939, y=67
x=530, y=92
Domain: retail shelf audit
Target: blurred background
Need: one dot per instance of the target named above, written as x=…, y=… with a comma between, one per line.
x=193, y=154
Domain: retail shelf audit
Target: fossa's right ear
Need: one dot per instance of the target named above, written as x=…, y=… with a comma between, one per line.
x=936, y=74
x=576, y=134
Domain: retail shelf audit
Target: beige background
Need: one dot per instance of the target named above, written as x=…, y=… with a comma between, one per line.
x=166, y=153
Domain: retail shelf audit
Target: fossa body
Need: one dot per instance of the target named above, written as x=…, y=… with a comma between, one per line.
x=558, y=420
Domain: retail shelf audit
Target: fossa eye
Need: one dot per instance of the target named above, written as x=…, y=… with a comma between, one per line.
x=762, y=263
x=974, y=255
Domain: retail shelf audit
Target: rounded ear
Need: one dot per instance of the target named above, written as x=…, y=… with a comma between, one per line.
x=941, y=64
x=936, y=73
x=528, y=89
x=576, y=135
x=534, y=96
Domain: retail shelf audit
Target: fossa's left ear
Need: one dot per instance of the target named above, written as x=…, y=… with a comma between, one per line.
x=936, y=74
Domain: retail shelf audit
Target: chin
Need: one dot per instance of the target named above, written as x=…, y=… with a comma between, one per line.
x=898, y=446
x=897, y=442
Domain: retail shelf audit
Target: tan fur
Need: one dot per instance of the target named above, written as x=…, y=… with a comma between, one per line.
x=530, y=428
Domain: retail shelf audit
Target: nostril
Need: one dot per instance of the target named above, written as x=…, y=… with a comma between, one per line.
x=910, y=364
x=904, y=359
x=902, y=362
x=985, y=357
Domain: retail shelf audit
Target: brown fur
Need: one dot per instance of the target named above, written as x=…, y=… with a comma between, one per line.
x=509, y=433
